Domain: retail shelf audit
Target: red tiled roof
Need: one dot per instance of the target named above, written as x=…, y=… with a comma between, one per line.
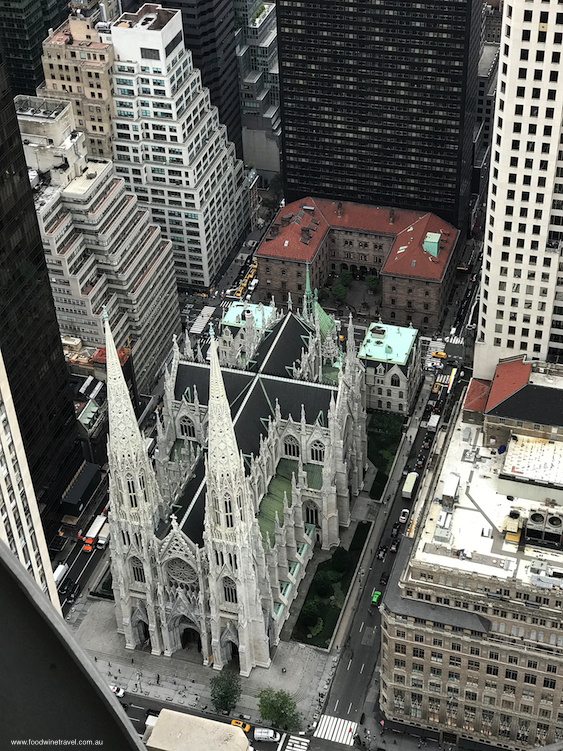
x=477, y=394
x=509, y=378
x=100, y=355
x=408, y=227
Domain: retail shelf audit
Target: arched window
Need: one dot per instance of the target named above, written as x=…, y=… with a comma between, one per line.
x=395, y=381
x=187, y=428
x=388, y=405
x=317, y=451
x=239, y=504
x=400, y=407
x=230, y=590
x=138, y=570
x=290, y=446
x=393, y=314
x=137, y=538
x=425, y=319
x=131, y=491
x=401, y=394
x=216, y=511
x=143, y=486
x=229, y=511
x=311, y=514
x=388, y=392
x=379, y=404
x=380, y=392
x=125, y=537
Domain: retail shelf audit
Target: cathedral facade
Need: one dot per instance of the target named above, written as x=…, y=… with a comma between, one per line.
x=261, y=451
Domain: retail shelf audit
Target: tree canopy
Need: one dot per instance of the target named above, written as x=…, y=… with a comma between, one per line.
x=279, y=708
x=225, y=690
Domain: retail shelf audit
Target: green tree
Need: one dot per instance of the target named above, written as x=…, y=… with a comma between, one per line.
x=339, y=292
x=322, y=584
x=225, y=690
x=340, y=559
x=372, y=282
x=346, y=278
x=279, y=708
x=310, y=611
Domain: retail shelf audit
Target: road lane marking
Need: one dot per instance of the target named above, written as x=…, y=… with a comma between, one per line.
x=349, y=663
x=362, y=627
x=362, y=668
x=336, y=705
x=349, y=708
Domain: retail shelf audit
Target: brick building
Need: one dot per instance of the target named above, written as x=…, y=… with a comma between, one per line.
x=413, y=253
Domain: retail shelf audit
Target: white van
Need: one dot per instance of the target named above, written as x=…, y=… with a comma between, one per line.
x=60, y=573
x=266, y=734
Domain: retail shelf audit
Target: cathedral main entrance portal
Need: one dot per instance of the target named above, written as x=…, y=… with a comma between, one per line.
x=232, y=656
x=144, y=636
x=190, y=638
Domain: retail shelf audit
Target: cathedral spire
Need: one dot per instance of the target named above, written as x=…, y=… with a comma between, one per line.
x=351, y=341
x=225, y=472
x=123, y=429
x=308, y=297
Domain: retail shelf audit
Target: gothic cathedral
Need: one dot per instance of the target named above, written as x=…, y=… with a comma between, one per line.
x=261, y=451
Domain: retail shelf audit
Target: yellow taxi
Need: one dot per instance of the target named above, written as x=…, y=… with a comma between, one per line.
x=440, y=355
x=240, y=724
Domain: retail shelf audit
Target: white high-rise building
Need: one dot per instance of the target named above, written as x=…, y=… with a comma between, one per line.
x=170, y=147
x=20, y=523
x=100, y=247
x=521, y=307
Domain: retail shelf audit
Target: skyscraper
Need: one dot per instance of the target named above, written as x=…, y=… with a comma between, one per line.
x=23, y=28
x=29, y=334
x=378, y=102
x=521, y=291
x=209, y=34
x=171, y=147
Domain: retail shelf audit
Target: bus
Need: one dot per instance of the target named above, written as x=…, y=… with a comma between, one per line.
x=91, y=536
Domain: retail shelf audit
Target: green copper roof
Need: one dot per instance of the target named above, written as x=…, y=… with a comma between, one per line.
x=386, y=343
x=325, y=321
x=272, y=502
x=235, y=314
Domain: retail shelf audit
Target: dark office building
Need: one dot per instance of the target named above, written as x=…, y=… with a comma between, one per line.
x=378, y=101
x=209, y=32
x=29, y=334
x=23, y=27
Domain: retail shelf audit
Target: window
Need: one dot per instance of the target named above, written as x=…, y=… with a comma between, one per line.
x=511, y=675
x=187, y=428
x=149, y=54
x=417, y=652
x=317, y=452
x=131, y=491
x=290, y=446
x=137, y=570
x=230, y=590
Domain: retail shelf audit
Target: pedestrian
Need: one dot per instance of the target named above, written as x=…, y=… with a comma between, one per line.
x=158, y=677
x=109, y=664
x=132, y=661
x=95, y=659
x=119, y=670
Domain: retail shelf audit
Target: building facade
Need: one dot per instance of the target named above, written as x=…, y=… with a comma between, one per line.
x=413, y=253
x=472, y=650
x=373, y=107
x=209, y=34
x=391, y=358
x=521, y=292
x=20, y=523
x=23, y=29
x=100, y=247
x=29, y=334
x=254, y=466
x=170, y=147
x=77, y=65
x=257, y=56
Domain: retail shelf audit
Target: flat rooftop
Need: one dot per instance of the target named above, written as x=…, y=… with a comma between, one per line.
x=478, y=534
x=487, y=59
x=39, y=108
x=235, y=315
x=534, y=459
x=176, y=731
x=387, y=343
x=148, y=17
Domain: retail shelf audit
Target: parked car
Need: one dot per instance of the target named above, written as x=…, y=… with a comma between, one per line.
x=240, y=724
x=436, y=387
x=404, y=516
x=119, y=692
x=419, y=462
x=395, y=546
x=384, y=578
x=382, y=552
x=74, y=592
x=396, y=529
x=440, y=355
x=426, y=443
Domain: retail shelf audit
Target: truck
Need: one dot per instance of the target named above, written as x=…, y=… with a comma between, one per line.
x=433, y=422
x=451, y=487
x=103, y=536
x=410, y=485
x=91, y=536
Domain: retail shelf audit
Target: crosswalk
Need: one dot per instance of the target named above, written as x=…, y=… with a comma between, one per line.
x=336, y=729
x=454, y=339
x=204, y=340
x=225, y=303
x=443, y=377
x=296, y=743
